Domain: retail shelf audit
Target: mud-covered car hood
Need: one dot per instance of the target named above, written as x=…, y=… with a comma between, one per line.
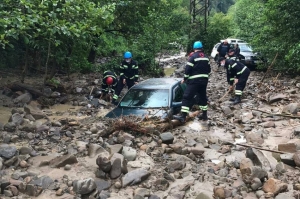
x=120, y=111
x=248, y=54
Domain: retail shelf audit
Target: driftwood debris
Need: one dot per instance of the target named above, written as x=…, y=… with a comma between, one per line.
x=17, y=86
x=145, y=125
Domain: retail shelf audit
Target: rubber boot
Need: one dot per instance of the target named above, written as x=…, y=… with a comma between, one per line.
x=114, y=102
x=232, y=99
x=203, y=116
x=181, y=118
x=237, y=99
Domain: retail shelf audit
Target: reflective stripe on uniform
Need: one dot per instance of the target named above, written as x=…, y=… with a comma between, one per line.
x=135, y=67
x=121, y=74
x=203, y=108
x=200, y=75
x=233, y=65
x=185, y=109
x=231, y=79
x=186, y=75
x=115, y=97
x=242, y=70
x=125, y=66
x=238, y=92
x=201, y=58
x=190, y=64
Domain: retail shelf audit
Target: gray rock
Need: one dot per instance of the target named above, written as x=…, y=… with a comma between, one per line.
x=291, y=108
x=123, y=161
x=84, y=186
x=27, y=127
x=167, y=138
x=280, y=167
x=204, y=196
x=24, y=150
x=134, y=177
x=287, y=195
x=296, y=158
x=63, y=160
x=116, y=148
x=154, y=197
x=116, y=169
x=6, y=139
x=142, y=192
x=129, y=153
x=34, y=111
x=161, y=184
x=23, y=99
x=17, y=119
x=297, y=130
x=102, y=184
x=8, y=193
x=176, y=165
x=276, y=98
x=223, y=172
x=258, y=158
x=288, y=159
x=103, y=163
x=10, y=127
x=253, y=172
x=7, y=151
x=95, y=149
x=19, y=174
x=104, y=195
x=227, y=111
x=44, y=182
x=256, y=183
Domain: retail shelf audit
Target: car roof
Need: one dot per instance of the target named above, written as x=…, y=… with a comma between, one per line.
x=157, y=83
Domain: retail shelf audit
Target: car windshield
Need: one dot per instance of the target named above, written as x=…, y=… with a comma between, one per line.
x=245, y=48
x=146, y=98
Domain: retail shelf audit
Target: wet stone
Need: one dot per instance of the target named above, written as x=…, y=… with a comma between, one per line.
x=43, y=182
x=7, y=151
x=116, y=168
x=134, y=177
x=84, y=186
x=167, y=138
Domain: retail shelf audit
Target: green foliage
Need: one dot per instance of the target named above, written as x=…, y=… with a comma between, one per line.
x=272, y=27
x=54, y=82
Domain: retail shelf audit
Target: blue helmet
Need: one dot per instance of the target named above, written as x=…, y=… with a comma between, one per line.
x=127, y=55
x=197, y=44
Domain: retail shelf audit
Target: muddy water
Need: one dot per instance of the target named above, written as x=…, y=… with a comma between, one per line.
x=169, y=71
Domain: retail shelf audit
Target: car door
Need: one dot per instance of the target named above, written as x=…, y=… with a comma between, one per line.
x=177, y=93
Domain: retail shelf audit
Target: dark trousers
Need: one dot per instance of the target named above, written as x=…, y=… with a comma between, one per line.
x=188, y=97
x=240, y=86
x=120, y=86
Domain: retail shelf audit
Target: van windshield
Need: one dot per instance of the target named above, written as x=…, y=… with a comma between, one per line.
x=245, y=48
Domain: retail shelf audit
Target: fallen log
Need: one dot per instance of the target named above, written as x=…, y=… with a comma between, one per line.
x=17, y=86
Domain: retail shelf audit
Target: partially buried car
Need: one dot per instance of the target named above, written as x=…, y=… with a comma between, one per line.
x=159, y=97
x=248, y=57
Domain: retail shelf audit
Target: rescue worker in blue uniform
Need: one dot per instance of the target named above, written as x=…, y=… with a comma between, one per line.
x=196, y=77
x=239, y=74
x=129, y=74
x=109, y=83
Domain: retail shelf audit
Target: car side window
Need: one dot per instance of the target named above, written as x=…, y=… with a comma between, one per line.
x=177, y=94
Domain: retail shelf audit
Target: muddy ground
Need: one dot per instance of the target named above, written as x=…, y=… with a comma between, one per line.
x=59, y=146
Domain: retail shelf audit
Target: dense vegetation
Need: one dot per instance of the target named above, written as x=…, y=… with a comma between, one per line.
x=70, y=35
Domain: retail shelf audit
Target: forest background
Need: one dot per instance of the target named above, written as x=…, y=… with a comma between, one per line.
x=46, y=36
